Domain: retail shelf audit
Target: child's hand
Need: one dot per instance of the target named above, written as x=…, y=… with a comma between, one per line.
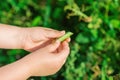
x=38, y=37
x=47, y=56
x=47, y=60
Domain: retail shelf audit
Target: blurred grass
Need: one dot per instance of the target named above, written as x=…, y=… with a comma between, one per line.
x=95, y=46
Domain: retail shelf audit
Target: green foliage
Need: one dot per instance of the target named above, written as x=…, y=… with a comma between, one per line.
x=95, y=45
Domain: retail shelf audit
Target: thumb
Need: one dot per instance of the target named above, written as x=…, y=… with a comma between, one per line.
x=53, y=46
x=55, y=34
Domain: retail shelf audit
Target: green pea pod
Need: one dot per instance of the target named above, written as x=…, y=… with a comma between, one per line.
x=64, y=37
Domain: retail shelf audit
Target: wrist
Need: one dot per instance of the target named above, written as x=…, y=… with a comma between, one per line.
x=23, y=37
x=18, y=70
x=20, y=37
x=25, y=66
x=12, y=38
x=29, y=64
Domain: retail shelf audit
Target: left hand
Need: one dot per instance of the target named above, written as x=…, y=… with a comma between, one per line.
x=38, y=37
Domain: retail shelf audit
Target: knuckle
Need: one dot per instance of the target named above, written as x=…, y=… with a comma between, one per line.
x=55, y=69
x=50, y=48
x=58, y=64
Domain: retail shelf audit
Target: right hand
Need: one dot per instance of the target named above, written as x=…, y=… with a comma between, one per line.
x=36, y=37
x=48, y=60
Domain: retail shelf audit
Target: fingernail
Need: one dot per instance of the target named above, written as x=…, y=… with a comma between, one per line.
x=63, y=31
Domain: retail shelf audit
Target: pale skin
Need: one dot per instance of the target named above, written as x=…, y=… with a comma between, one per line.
x=47, y=54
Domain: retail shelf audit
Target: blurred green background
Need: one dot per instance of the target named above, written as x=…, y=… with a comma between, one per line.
x=95, y=45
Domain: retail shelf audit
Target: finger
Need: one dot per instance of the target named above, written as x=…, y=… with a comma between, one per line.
x=64, y=50
x=54, y=33
x=68, y=40
x=60, y=47
x=53, y=46
x=40, y=45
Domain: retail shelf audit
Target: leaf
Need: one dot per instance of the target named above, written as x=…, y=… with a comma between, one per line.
x=57, y=13
x=82, y=39
x=36, y=21
x=115, y=23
